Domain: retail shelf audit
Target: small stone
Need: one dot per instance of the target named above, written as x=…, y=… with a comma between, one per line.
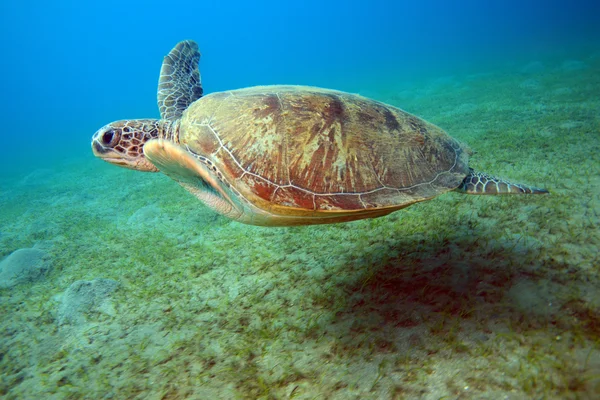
x=23, y=265
x=83, y=297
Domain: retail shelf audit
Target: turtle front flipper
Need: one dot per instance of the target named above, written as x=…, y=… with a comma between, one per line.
x=481, y=183
x=196, y=177
x=179, y=84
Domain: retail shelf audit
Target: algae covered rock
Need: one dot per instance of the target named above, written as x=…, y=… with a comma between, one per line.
x=23, y=265
x=83, y=297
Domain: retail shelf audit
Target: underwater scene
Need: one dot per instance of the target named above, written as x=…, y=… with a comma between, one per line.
x=319, y=234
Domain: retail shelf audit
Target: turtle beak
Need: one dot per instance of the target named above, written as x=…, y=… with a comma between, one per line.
x=107, y=154
x=104, y=153
x=97, y=148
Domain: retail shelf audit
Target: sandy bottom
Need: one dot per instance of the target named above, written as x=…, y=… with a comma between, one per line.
x=459, y=297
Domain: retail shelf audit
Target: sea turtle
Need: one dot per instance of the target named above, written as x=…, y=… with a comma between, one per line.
x=290, y=155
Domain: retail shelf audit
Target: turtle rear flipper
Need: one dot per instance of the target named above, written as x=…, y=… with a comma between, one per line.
x=482, y=183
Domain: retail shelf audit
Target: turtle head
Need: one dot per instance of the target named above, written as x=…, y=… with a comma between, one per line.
x=122, y=143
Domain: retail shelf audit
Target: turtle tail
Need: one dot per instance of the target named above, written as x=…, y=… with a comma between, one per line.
x=481, y=183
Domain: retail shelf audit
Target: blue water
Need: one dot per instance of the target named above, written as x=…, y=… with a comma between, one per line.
x=115, y=283
x=70, y=67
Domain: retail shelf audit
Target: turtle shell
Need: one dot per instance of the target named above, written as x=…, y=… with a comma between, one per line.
x=294, y=150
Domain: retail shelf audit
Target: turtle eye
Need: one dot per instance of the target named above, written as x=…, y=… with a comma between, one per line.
x=108, y=137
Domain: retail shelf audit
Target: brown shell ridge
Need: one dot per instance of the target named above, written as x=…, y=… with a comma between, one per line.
x=359, y=194
x=230, y=94
x=383, y=186
x=285, y=145
x=274, y=181
x=285, y=149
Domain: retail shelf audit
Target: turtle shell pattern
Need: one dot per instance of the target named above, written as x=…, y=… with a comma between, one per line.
x=306, y=151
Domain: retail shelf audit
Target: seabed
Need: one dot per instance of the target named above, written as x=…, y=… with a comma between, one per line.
x=142, y=293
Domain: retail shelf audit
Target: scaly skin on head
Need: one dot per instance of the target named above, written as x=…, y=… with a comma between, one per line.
x=122, y=142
